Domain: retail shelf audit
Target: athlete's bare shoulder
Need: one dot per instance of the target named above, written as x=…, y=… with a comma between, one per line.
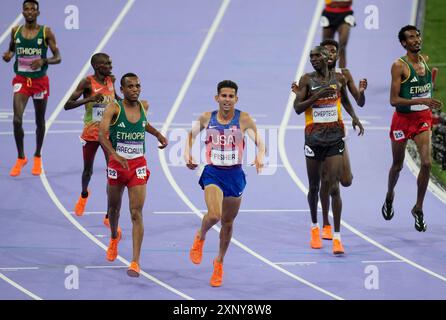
x=14, y=29
x=204, y=118
x=341, y=77
x=145, y=104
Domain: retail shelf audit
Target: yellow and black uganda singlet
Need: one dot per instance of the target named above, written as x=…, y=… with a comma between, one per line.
x=323, y=120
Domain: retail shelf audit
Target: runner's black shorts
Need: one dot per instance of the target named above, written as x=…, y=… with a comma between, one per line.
x=320, y=153
x=334, y=20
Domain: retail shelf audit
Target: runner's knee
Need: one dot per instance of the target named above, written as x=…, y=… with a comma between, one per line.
x=346, y=181
x=334, y=190
x=313, y=188
x=17, y=122
x=136, y=215
x=213, y=217
x=426, y=164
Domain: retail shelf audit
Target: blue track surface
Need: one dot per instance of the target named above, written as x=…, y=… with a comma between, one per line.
x=258, y=44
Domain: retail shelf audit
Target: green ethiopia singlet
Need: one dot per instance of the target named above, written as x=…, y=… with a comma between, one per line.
x=415, y=87
x=29, y=50
x=127, y=138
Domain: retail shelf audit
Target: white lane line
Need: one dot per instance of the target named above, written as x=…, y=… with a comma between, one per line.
x=413, y=17
x=304, y=263
x=90, y=212
x=171, y=115
x=19, y=287
x=303, y=188
x=382, y=261
x=50, y=121
x=240, y=211
x=8, y=30
x=18, y=268
x=105, y=267
x=295, y=263
x=432, y=187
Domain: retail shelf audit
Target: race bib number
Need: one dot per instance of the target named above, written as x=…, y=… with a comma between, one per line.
x=224, y=157
x=420, y=107
x=308, y=151
x=39, y=95
x=112, y=173
x=83, y=142
x=324, y=22
x=130, y=149
x=325, y=114
x=350, y=20
x=398, y=135
x=24, y=63
x=98, y=112
x=141, y=173
x=17, y=87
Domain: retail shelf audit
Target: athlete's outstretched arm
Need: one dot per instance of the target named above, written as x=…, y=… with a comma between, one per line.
x=7, y=56
x=197, y=127
x=51, y=42
x=395, y=99
x=248, y=125
x=348, y=107
x=357, y=93
x=150, y=129
x=111, y=111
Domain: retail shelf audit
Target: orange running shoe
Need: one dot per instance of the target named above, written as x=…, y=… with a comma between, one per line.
x=19, y=164
x=196, y=252
x=337, y=247
x=37, y=166
x=112, y=251
x=316, y=242
x=217, y=275
x=326, y=233
x=133, y=270
x=79, y=207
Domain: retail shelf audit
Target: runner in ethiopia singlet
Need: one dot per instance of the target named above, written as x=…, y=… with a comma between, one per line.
x=28, y=81
x=95, y=110
x=128, y=140
x=408, y=121
x=324, y=128
x=224, y=155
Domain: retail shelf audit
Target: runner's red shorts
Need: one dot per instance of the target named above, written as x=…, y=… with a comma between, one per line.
x=137, y=174
x=407, y=125
x=37, y=88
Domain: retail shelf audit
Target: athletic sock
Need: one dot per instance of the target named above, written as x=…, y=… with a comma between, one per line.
x=337, y=235
x=314, y=225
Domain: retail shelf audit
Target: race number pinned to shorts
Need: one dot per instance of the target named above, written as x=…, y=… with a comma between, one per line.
x=17, y=87
x=112, y=173
x=141, y=172
x=324, y=22
x=308, y=151
x=398, y=135
x=83, y=142
x=39, y=95
x=350, y=20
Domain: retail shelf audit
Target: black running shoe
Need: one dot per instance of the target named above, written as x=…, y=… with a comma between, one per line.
x=420, y=225
x=387, y=210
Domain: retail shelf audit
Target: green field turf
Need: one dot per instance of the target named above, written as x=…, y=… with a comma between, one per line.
x=434, y=45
